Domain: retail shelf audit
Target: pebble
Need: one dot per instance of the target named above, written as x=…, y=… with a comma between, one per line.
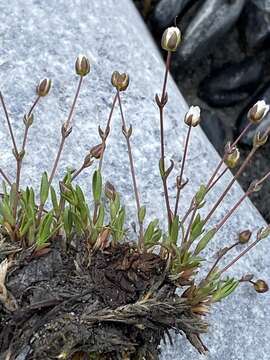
x=231, y=83
x=213, y=19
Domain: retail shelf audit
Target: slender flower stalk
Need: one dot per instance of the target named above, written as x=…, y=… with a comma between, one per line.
x=65, y=132
x=5, y=177
x=20, y=156
x=127, y=134
x=220, y=256
x=107, y=129
x=161, y=104
x=238, y=173
x=223, y=158
x=251, y=246
x=9, y=124
x=253, y=187
x=179, y=187
x=217, y=179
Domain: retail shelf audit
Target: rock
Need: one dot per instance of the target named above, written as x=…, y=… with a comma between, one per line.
x=262, y=4
x=255, y=26
x=231, y=83
x=166, y=11
x=247, y=139
x=213, y=19
x=43, y=41
x=214, y=129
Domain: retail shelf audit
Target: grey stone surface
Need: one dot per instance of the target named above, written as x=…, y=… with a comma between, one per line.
x=40, y=39
x=213, y=19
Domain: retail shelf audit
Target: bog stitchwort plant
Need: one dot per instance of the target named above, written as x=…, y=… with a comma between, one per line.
x=29, y=224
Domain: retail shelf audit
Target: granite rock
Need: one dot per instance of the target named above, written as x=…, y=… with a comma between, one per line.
x=214, y=129
x=231, y=83
x=212, y=20
x=166, y=11
x=43, y=38
x=255, y=25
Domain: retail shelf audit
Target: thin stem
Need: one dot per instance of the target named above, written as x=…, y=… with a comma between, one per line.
x=161, y=105
x=107, y=129
x=77, y=172
x=226, y=250
x=9, y=123
x=232, y=210
x=20, y=156
x=5, y=177
x=243, y=197
x=187, y=213
x=217, y=179
x=223, y=158
x=135, y=187
x=190, y=224
x=62, y=143
x=240, y=255
x=238, y=173
x=182, y=171
x=61, y=146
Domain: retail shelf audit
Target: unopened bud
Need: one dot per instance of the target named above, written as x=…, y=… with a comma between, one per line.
x=171, y=39
x=261, y=286
x=87, y=161
x=232, y=157
x=193, y=116
x=43, y=87
x=97, y=151
x=259, y=139
x=258, y=112
x=110, y=191
x=28, y=120
x=120, y=81
x=244, y=236
x=82, y=65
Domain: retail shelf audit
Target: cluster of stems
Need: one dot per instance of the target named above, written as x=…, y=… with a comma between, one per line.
x=213, y=180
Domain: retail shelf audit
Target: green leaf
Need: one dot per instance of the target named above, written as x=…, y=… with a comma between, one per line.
x=6, y=212
x=68, y=221
x=200, y=195
x=142, y=213
x=25, y=227
x=161, y=168
x=44, y=188
x=44, y=232
x=204, y=241
x=174, y=230
x=119, y=224
x=225, y=290
x=97, y=186
x=54, y=201
x=196, y=228
x=100, y=217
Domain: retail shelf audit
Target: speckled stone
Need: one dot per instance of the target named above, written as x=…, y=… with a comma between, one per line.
x=43, y=38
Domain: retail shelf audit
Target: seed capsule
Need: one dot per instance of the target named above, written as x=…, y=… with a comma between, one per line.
x=244, y=236
x=43, y=87
x=110, y=191
x=231, y=159
x=120, y=81
x=259, y=139
x=82, y=65
x=258, y=112
x=193, y=116
x=171, y=39
x=97, y=151
x=261, y=286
